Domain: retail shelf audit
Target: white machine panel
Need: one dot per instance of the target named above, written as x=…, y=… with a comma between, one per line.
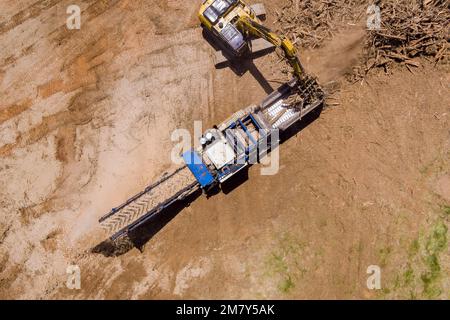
x=220, y=153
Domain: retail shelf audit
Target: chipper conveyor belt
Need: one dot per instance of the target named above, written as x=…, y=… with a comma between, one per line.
x=225, y=150
x=143, y=206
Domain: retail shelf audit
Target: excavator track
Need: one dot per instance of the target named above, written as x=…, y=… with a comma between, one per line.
x=143, y=206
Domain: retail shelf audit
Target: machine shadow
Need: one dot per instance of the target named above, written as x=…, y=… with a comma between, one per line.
x=243, y=65
x=143, y=234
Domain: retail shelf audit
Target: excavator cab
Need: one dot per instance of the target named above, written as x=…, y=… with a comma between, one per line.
x=219, y=18
x=217, y=8
x=216, y=16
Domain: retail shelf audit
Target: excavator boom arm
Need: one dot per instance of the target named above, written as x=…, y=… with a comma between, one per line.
x=255, y=29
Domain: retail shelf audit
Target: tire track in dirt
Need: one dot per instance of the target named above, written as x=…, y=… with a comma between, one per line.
x=28, y=13
x=79, y=113
x=85, y=77
x=116, y=71
x=92, y=13
x=14, y=110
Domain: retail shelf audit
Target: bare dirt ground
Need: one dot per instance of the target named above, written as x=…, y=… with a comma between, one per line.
x=86, y=118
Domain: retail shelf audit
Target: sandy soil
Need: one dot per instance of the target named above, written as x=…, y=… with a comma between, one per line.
x=86, y=120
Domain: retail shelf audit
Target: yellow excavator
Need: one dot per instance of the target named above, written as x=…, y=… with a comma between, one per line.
x=239, y=31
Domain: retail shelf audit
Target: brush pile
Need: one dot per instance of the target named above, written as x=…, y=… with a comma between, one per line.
x=309, y=22
x=410, y=29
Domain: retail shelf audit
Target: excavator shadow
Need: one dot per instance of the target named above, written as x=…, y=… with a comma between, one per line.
x=144, y=233
x=242, y=65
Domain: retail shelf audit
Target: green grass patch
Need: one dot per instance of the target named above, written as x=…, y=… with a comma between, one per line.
x=414, y=248
x=423, y=275
x=437, y=241
x=435, y=244
x=384, y=255
x=286, y=285
x=408, y=276
x=285, y=263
